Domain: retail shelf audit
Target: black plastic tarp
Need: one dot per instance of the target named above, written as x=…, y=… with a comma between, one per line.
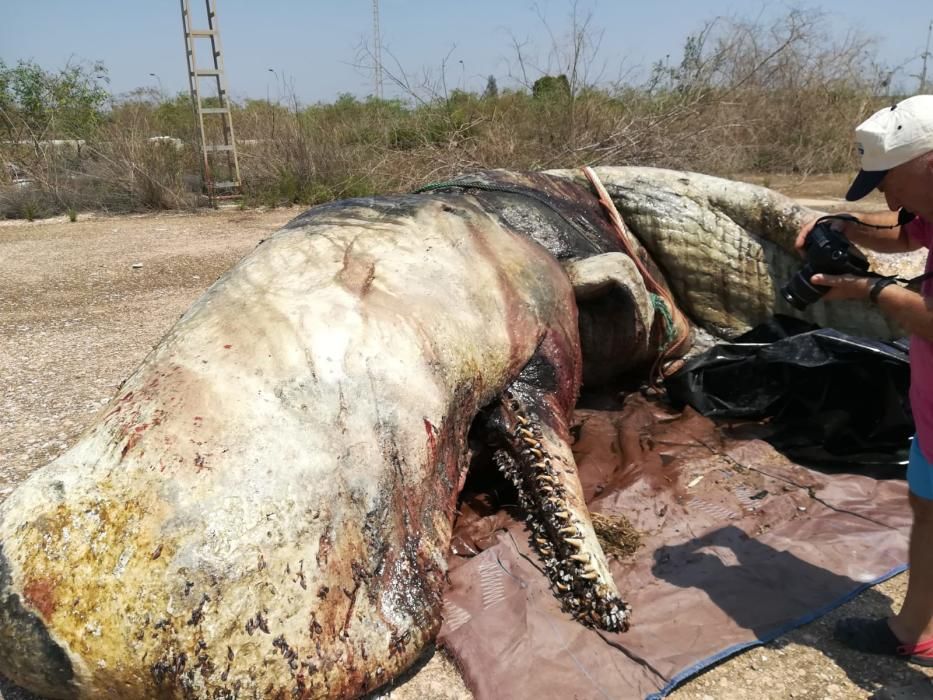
x=826, y=397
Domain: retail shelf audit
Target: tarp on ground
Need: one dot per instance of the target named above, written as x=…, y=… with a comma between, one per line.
x=738, y=545
x=829, y=397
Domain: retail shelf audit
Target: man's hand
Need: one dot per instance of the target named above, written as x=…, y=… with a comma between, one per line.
x=837, y=223
x=802, y=236
x=844, y=286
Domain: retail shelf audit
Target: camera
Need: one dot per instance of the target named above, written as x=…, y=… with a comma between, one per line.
x=828, y=252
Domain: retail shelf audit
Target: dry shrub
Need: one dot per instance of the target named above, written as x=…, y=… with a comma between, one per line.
x=136, y=173
x=118, y=170
x=745, y=97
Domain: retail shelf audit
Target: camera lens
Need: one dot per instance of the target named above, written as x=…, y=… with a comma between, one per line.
x=799, y=292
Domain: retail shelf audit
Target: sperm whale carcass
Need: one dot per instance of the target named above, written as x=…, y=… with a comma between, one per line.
x=265, y=507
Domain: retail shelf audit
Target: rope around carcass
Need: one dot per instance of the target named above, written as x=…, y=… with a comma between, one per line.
x=676, y=328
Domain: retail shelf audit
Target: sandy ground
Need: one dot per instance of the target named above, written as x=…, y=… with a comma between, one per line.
x=82, y=303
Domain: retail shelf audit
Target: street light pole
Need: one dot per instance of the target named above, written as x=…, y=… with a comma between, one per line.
x=279, y=84
x=161, y=91
x=269, y=105
x=926, y=55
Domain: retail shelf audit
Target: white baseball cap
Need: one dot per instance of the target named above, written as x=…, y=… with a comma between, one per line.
x=891, y=137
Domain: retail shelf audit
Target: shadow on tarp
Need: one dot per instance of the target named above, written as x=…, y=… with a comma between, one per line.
x=739, y=545
x=725, y=563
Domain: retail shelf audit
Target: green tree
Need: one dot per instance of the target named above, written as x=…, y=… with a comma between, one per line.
x=39, y=104
x=550, y=86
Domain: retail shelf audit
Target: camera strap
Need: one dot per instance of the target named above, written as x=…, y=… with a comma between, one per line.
x=903, y=217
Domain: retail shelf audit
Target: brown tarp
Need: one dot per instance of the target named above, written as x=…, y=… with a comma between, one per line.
x=738, y=545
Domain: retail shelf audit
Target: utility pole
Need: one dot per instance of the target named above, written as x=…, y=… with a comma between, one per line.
x=926, y=55
x=377, y=52
x=217, y=179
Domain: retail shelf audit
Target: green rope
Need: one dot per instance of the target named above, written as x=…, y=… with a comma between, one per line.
x=447, y=185
x=476, y=185
x=541, y=199
x=658, y=303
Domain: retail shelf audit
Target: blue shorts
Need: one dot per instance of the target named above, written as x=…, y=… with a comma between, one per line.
x=919, y=472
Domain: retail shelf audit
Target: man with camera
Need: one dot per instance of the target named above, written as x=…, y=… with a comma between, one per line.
x=896, y=147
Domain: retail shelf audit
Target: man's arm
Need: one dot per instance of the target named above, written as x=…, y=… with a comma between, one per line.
x=908, y=309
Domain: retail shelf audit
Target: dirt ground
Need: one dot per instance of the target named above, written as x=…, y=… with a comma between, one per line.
x=82, y=303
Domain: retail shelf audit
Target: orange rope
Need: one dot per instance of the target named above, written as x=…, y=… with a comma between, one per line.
x=681, y=327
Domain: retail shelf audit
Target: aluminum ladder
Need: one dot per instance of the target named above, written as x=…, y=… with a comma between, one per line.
x=219, y=163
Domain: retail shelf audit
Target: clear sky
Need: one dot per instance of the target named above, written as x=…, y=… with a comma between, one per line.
x=312, y=45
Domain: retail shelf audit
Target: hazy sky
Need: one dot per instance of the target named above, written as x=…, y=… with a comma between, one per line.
x=312, y=46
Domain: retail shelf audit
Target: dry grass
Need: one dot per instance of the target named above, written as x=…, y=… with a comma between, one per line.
x=351, y=149
x=770, y=100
